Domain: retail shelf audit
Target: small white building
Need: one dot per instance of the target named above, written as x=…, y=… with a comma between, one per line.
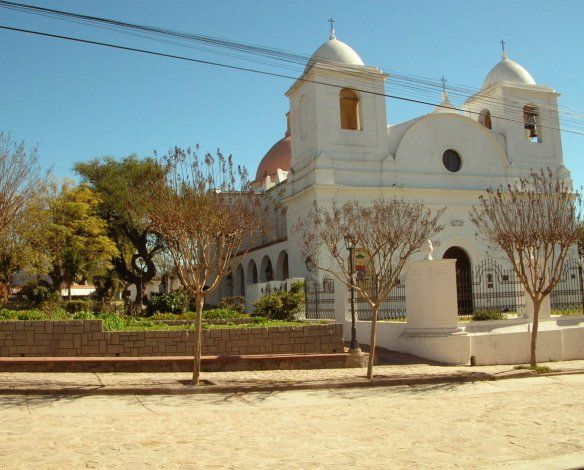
x=339, y=145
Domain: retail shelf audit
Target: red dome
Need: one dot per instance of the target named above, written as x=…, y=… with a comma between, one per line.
x=277, y=158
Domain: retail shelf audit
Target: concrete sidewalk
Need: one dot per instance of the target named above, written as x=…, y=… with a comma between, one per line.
x=257, y=381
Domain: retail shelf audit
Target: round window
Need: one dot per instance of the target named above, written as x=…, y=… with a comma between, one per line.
x=452, y=161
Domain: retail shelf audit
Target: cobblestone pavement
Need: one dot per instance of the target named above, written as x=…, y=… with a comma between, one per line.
x=21, y=379
x=523, y=423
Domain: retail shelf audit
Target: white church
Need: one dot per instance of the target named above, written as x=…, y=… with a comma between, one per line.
x=339, y=145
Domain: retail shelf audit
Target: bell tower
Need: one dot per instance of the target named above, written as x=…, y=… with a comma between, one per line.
x=338, y=116
x=522, y=114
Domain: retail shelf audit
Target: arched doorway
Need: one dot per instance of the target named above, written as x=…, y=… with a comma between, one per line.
x=463, y=279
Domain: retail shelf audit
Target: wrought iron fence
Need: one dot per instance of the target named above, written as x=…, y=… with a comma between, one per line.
x=319, y=299
x=568, y=295
x=393, y=308
x=489, y=287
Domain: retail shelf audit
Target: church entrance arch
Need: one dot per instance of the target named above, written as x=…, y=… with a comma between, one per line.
x=463, y=279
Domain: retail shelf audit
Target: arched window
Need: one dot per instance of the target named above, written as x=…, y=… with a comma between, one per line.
x=531, y=123
x=266, y=271
x=239, y=281
x=282, y=266
x=349, y=104
x=252, y=273
x=485, y=119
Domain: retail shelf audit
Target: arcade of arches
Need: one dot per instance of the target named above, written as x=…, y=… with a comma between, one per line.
x=234, y=284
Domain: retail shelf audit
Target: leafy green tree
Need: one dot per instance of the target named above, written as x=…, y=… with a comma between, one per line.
x=76, y=237
x=21, y=187
x=124, y=188
x=22, y=246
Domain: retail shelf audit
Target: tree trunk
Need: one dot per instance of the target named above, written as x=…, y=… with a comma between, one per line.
x=372, y=343
x=199, y=301
x=533, y=359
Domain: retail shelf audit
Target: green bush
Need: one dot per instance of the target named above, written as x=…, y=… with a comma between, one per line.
x=31, y=315
x=38, y=292
x=280, y=305
x=482, y=315
x=221, y=314
x=74, y=306
x=233, y=303
x=83, y=315
x=6, y=314
x=112, y=322
x=172, y=302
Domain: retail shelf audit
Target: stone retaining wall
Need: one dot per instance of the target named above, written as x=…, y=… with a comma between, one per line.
x=87, y=338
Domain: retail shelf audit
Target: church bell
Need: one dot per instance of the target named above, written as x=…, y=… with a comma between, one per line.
x=530, y=123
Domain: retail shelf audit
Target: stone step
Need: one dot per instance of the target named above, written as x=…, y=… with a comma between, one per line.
x=174, y=363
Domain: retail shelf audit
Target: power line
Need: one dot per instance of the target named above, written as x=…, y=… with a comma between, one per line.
x=420, y=86
x=247, y=69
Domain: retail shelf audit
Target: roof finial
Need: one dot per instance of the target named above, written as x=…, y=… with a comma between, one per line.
x=332, y=30
x=503, y=50
x=443, y=80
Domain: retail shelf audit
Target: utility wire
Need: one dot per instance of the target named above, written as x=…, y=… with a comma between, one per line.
x=154, y=33
x=247, y=69
x=414, y=87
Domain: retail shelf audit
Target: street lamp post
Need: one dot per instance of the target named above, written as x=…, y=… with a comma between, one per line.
x=350, y=245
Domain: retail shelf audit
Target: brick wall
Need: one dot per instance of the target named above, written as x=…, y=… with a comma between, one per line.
x=87, y=338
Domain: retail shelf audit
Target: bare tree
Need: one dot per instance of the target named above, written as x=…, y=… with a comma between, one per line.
x=20, y=180
x=207, y=215
x=535, y=222
x=387, y=232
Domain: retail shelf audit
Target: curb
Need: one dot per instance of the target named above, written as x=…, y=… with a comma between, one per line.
x=180, y=389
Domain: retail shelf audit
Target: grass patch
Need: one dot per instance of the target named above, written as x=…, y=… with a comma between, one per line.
x=567, y=311
x=114, y=322
x=537, y=369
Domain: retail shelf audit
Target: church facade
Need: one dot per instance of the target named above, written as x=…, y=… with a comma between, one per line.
x=339, y=146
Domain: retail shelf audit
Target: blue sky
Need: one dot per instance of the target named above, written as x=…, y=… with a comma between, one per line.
x=78, y=101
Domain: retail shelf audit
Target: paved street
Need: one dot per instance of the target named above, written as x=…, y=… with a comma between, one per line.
x=523, y=423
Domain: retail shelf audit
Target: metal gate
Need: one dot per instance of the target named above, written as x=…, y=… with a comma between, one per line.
x=392, y=308
x=568, y=295
x=319, y=299
x=489, y=287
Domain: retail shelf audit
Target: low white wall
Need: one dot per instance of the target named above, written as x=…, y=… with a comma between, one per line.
x=496, y=342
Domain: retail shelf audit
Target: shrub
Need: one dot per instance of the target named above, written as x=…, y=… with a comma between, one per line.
x=172, y=302
x=74, y=306
x=221, y=314
x=112, y=322
x=31, y=315
x=39, y=292
x=482, y=315
x=83, y=315
x=281, y=305
x=6, y=314
x=236, y=303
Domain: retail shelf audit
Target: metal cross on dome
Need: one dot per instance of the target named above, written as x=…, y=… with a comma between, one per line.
x=332, y=22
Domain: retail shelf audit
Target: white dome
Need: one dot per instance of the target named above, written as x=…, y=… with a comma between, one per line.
x=508, y=71
x=335, y=52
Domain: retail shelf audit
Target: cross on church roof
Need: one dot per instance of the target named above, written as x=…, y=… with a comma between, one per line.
x=443, y=80
x=332, y=30
x=503, y=49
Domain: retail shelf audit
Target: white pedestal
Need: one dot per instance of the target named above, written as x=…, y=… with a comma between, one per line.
x=431, y=302
x=545, y=309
